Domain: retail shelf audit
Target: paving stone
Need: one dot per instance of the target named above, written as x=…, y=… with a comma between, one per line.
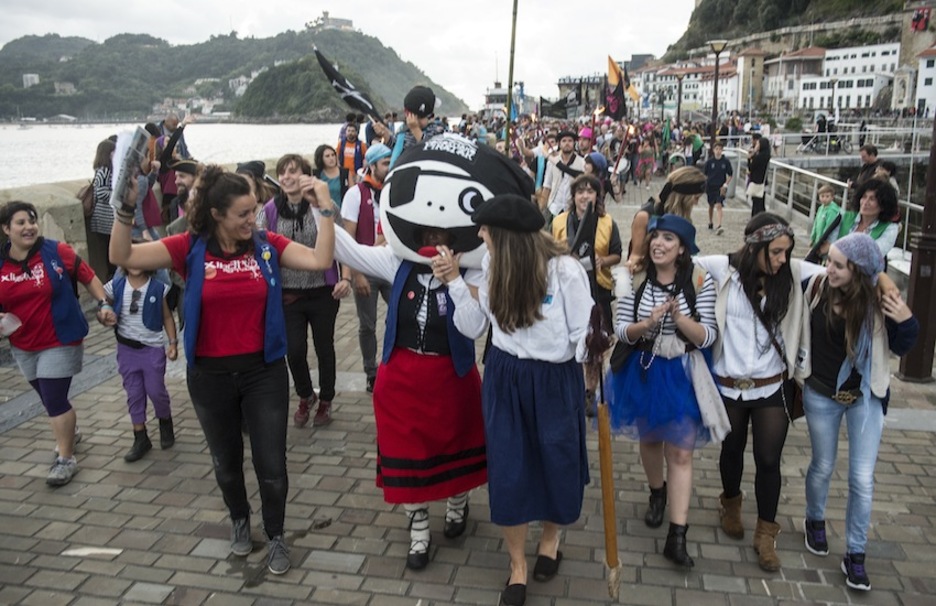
x=333, y=561
x=104, y=586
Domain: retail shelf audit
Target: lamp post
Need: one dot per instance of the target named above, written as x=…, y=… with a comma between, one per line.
x=679, y=78
x=717, y=47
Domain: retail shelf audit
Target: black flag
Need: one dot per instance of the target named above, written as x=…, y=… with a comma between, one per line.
x=553, y=110
x=352, y=96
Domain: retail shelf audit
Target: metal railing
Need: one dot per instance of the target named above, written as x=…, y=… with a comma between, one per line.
x=796, y=190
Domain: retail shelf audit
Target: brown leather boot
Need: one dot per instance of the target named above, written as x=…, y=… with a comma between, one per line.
x=765, y=544
x=730, y=514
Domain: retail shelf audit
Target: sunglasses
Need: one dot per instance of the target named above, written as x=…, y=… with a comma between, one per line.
x=135, y=301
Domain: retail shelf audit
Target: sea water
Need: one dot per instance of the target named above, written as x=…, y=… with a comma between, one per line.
x=46, y=153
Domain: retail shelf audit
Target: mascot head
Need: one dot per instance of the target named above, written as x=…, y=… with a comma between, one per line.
x=432, y=191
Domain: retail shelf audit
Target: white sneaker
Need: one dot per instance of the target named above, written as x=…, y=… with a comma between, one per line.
x=62, y=471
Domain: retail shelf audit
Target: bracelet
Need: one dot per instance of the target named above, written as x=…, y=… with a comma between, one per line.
x=127, y=208
x=124, y=221
x=173, y=341
x=348, y=280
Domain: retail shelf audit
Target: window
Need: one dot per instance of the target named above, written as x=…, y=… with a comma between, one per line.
x=864, y=69
x=835, y=71
x=893, y=67
x=827, y=73
x=858, y=101
x=930, y=62
x=789, y=85
x=867, y=100
x=810, y=103
x=848, y=101
x=927, y=82
x=870, y=68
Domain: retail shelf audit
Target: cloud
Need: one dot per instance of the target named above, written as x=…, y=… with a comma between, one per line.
x=461, y=45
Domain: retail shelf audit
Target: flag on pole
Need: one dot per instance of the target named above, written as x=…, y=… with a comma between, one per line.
x=629, y=88
x=553, y=110
x=614, y=91
x=352, y=96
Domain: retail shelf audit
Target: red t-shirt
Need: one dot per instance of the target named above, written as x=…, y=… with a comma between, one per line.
x=29, y=297
x=233, y=301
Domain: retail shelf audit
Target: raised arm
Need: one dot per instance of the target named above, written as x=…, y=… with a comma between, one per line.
x=299, y=256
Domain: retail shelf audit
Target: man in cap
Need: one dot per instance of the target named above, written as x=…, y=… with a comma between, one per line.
x=185, y=173
x=559, y=175
x=418, y=110
x=360, y=213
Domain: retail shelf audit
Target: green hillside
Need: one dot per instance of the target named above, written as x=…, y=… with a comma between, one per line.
x=125, y=75
x=731, y=19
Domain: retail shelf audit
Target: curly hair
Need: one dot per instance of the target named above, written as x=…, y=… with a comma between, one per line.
x=776, y=287
x=886, y=197
x=215, y=189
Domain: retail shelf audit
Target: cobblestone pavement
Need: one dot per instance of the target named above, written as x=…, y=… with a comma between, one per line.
x=163, y=530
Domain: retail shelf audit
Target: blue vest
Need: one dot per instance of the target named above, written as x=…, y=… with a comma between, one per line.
x=152, y=301
x=67, y=318
x=274, y=329
x=462, y=348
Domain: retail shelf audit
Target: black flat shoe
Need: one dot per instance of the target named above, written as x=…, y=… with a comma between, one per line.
x=546, y=568
x=417, y=561
x=514, y=595
x=453, y=530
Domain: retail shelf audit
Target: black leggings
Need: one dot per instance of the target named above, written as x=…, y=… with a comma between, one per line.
x=769, y=427
x=261, y=395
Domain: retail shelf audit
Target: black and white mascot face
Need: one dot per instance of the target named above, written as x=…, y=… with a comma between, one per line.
x=437, y=185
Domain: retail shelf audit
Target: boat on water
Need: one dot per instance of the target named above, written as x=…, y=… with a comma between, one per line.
x=495, y=102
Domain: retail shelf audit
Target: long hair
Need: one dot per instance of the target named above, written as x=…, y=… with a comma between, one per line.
x=102, y=156
x=776, y=287
x=858, y=305
x=319, y=157
x=214, y=189
x=683, y=265
x=518, y=276
x=681, y=204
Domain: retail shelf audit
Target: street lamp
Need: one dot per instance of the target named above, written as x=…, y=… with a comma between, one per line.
x=679, y=78
x=717, y=47
x=832, y=84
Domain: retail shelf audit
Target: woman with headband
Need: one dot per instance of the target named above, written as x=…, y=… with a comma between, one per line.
x=760, y=299
x=680, y=193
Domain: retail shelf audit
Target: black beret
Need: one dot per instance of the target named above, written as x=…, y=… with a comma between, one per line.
x=257, y=168
x=566, y=133
x=509, y=211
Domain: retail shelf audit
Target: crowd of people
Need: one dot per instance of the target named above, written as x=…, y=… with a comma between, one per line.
x=525, y=260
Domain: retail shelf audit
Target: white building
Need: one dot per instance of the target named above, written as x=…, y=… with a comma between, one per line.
x=926, y=82
x=783, y=76
x=862, y=60
x=851, y=92
x=30, y=80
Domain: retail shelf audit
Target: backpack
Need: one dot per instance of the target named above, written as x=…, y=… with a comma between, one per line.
x=622, y=349
x=86, y=195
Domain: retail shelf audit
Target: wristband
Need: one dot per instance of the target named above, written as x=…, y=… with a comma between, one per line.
x=103, y=303
x=173, y=341
x=127, y=208
x=348, y=280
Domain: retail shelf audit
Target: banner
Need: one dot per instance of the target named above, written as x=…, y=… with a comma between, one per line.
x=615, y=106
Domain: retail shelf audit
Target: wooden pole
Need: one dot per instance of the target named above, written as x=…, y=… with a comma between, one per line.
x=607, y=499
x=513, y=46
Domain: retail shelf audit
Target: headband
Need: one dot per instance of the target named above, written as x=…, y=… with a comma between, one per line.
x=692, y=188
x=768, y=233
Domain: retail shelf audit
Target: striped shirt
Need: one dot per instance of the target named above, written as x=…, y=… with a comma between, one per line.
x=655, y=295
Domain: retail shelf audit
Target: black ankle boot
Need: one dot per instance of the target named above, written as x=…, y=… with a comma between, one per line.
x=141, y=446
x=675, y=549
x=166, y=433
x=654, y=515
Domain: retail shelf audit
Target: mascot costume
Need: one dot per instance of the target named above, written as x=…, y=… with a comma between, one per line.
x=427, y=396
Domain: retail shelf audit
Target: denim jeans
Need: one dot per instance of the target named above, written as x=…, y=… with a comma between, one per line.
x=261, y=395
x=864, y=422
x=316, y=309
x=367, y=323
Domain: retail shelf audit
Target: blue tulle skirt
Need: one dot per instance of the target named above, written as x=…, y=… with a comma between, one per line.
x=657, y=404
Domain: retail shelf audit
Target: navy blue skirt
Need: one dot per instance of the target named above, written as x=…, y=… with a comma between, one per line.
x=534, y=423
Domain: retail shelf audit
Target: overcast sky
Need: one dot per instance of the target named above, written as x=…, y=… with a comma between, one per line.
x=462, y=45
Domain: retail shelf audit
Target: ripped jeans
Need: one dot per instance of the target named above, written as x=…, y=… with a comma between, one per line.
x=261, y=397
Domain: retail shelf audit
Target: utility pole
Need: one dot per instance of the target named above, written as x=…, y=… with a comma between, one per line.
x=917, y=365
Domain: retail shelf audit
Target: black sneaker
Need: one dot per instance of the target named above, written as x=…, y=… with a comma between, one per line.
x=854, y=569
x=816, y=541
x=710, y=227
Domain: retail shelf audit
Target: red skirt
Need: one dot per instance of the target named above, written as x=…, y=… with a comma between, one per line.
x=430, y=431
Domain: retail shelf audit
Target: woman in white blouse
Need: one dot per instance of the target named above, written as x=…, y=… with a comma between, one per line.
x=759, y=311
x=537, y=299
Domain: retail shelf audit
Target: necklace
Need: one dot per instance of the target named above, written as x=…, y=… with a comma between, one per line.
x=656, y=337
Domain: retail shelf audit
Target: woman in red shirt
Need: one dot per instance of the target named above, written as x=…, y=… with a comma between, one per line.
x=37, y=287
x=235, y=336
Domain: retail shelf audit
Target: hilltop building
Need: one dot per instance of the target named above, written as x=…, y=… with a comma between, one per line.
x=30, y=80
